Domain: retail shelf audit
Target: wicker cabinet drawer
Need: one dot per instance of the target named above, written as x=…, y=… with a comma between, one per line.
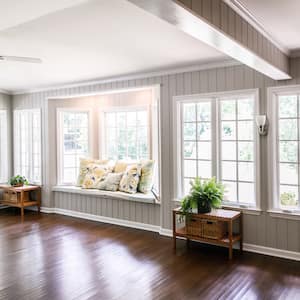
x=194, y=226
x=14, y=197
x=213, y=229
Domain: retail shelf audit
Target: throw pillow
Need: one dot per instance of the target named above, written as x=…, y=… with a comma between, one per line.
x=110, y=182
x=95, y=173
x=146, y=180
x=83, y=168
x=130, y=180
x=122, y=165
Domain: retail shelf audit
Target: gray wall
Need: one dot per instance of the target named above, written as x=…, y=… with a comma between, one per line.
x=261, y=230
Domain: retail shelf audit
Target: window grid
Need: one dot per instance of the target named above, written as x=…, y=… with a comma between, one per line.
x=197, y=140
x=247, y=135
x=28, y=144
x=139, y=130
x=3, y=148
x=74, y=132
x=295, y=203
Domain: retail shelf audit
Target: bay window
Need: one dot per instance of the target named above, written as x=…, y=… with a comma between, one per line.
x=126, y=133
x=216, y=136
x=73, y=136
x=27, y=144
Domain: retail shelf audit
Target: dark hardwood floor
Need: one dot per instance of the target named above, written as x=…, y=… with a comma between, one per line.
x=58, y=257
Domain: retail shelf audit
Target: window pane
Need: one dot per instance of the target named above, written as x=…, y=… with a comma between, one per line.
x=288, y=106
x=110, y=119
x=203, y=111
x=288, y=151
x=246, y=171
x=228, y=131
x=228, y=150
x=204, y=169
x=246, y=193
x=229, y=171
x=245, y=109
x=189, y=149
x=204, y=150
x=3, y=148
x=288, y=173
x=230, y=191
x=245, y=130
x=187, y=185
x=288, y=129
x=189, y=112
x=189, y=131
x=190, y=168
x=228, y=110
x=246, y=151
x=288, y=196
x=121, y=119
x=142, y=117
x=69, y=175
x=204, y=131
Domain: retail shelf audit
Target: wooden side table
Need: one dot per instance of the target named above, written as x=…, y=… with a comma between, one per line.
x=21, y=196
x=221, y=215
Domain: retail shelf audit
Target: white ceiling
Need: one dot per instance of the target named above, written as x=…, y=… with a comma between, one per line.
x=86, y=40
x=280, y=18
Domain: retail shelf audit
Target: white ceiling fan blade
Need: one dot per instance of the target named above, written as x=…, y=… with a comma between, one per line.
x=21, y=59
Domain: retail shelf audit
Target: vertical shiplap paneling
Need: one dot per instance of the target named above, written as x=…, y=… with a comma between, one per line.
x=262, y=230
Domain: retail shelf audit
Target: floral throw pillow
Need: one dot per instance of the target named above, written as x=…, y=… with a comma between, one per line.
x=146, y=180
x=110, y=182
x=94, y=174
x=130, y=179
x=83, y=168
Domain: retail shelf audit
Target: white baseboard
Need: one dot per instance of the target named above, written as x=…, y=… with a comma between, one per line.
x=167, y=232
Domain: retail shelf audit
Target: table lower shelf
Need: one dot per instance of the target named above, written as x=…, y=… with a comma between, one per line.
x=181, y=232
x=18, y=204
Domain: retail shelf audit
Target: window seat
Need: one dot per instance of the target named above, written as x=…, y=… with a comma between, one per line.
x=138, y=197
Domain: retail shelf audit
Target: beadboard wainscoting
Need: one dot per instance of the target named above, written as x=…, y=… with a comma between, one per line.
x=261, y=230
x=148, y=213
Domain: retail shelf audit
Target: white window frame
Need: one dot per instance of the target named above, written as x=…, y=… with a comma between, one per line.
x=273, y=150
x=4, y=146
x=215, y=139
x=102, y=125
x=60, y=141
x=16, y=142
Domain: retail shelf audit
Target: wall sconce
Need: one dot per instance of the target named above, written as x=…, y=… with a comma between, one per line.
x=261, y=122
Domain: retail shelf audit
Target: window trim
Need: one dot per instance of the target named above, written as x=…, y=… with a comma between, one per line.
x=15, y=142
x=274, y=208
x=59, y=138
x=177, y=152
x=112, y=109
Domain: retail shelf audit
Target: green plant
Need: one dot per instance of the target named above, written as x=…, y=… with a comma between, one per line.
x=18, y=180
x=204, y=195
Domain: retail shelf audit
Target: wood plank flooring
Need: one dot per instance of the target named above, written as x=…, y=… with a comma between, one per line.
x=57, y=257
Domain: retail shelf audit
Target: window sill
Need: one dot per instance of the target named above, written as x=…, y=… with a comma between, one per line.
x=138, y=197
x=284, y=215
x=245, y=210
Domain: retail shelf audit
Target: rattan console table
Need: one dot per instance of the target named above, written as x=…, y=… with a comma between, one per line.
x=215, y=228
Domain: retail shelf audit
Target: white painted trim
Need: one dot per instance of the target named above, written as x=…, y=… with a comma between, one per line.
x=6, y=92
x=245, y=13
x=161, y=72
x=167, y=232
x=272, y=251
x=137, y=197
x=284, y=215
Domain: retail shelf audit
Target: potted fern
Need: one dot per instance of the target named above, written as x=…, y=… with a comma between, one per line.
x=18, y=181
x=204, y=195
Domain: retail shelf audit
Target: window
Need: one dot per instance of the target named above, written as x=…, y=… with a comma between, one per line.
x=73, y=143
x=4, y=146
x=216, y=136
x=285, y=140
x=126, y=134
x=27, y=144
